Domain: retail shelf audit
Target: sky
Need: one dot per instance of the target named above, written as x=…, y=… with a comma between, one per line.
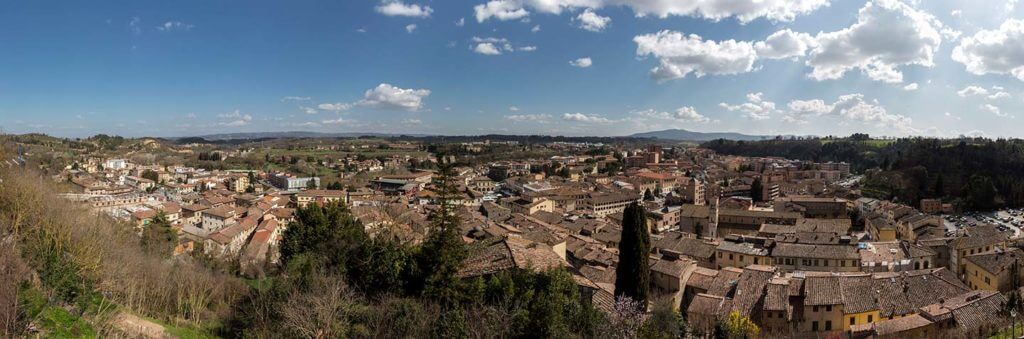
x=468, y=67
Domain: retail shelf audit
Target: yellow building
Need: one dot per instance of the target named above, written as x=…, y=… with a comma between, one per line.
x=992, y=270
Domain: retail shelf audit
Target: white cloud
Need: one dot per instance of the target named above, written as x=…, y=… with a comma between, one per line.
x=682, y=114
x=999, y=95
x=399, y=8
x=338, y=121
x=529, y=117
x=743, y=10
x=784, y=44
x=513, y=108
x=580, y=117
x=535, y=29
x=993, y=109
x=461, y=22
x=911, y=87
x=308, y=110
x=386, y=96
x=486, y=48
x=174, y=26
x=295, y=98
x=680, y=54
x=335, y=107
x=581, y=62
x=410, y=28
x=994, y=51
x=972, y=90
x=234, y=119
x=849, y=107
x=888, y=34
x=497, y=46
x=591, y=21
x=503, y=10
x=412, y=121
x=755, y=108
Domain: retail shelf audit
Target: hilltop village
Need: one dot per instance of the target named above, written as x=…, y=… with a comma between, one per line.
x=792, y=245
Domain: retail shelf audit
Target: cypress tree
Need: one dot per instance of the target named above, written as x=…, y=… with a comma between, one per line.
x=632, y=276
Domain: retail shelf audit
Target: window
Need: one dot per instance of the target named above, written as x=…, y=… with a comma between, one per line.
x=828, y=325
x=741, y=258
x=814, y=309
x=842, y=263
x=987, y=281
x=828, y=308
x=853, y=320
x=814, y=326
x=756, y=261
x=719, y=255
x=730, y=256
x=770, y=314
x=871, y=318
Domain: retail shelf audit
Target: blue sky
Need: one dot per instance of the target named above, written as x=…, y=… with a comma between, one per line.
x=562, y=67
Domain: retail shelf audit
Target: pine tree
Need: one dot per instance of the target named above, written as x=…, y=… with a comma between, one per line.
x=443, y=252
x=632, y=276
x=940, y=187
x=757, y=190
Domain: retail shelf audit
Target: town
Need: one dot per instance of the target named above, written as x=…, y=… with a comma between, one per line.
x=792, y=246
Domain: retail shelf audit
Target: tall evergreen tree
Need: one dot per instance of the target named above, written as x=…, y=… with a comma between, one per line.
x=443, y=252
x=757, y=190
x=940, y=187
x=633, y=274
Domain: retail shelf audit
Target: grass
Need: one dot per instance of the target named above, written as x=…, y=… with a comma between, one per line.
x=51, y=320
x=1005, y=333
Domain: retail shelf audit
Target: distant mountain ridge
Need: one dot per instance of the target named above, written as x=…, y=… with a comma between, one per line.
x=293, y=134
x=684, y=135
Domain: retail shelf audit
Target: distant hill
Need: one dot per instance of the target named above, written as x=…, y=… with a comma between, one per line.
x=293, y=134
x=682, y=134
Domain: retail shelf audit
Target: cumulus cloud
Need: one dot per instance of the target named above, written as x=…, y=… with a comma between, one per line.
x=679, y=55
x=743, y=10
x=993, y=109
x=234, y=119
x=581, y=62
x=461, y=22
x=849, y=107
x=785, y=44
x=535, y=29
x=399, y=8
x=580, y=117
x=386, y=96
x=503, y=10
x=496, y=46
x=994, y=51
x=334, y=107
x=910, y=87
x=995, y=93
x=755, y=108
x=591, y=21
x=486, y=48
x=529, y=117
x=308, y=110
x=410, y=28
x=682, y=114
x=888, y=34
x=972, y=90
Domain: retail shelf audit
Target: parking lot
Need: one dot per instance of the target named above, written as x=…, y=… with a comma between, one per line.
x=1006, y=219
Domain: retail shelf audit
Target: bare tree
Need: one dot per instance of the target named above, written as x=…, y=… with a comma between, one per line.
x=321, y=311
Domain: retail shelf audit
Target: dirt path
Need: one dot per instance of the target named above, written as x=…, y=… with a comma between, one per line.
x=137, y=327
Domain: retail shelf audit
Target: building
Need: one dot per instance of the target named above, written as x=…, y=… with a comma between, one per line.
x=813, y=257
x=813, y=207
x=290, y=182
x=603, y=204
x=931, y=206
x=304, y=198
x=993, y=270
x=741, y=252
